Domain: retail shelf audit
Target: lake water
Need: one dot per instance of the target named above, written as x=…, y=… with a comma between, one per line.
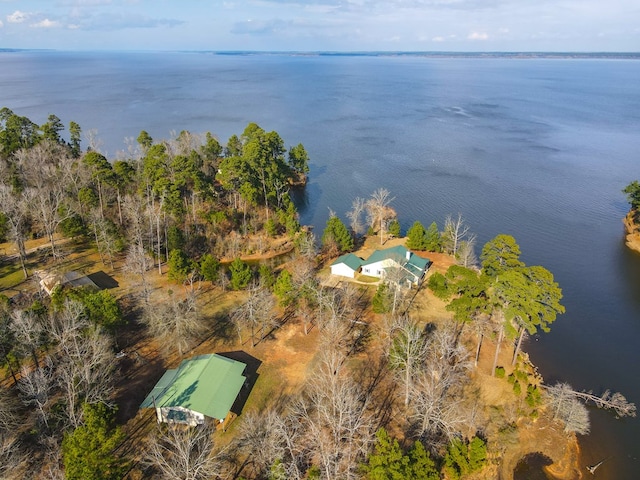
x=536, y=148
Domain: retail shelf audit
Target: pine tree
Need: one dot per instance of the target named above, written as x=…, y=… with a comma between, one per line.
x=336, y=233
x=389, y=462
x=380, y=301
x=283, y=288
x=432, y=238
x=87, y=452
x=416, y=239
x=240, y=274
x=209, y=267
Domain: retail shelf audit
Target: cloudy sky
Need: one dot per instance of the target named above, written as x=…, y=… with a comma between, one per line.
x=315, y=25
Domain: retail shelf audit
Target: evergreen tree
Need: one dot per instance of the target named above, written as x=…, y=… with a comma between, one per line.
x=394, y=228
x=240, y=274
x=87, y=452
x=389, y=462
x=464, y=458
x=209, y=267
x=380, y=301
x=265, y=274
x=432, y=238
x=416, y=237
x=633, y=194
x=500, y=254
x=179, y=265
x=284, y=289
x=102, y=308
x=336, y=234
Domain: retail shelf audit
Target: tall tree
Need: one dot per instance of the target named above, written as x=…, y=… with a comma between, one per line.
x=416, y=237
x=88, y=450
x=75, y=136
x=355, y=216
x=379, y=211
x=500, y=254
x=389, y=462
x=407, y=353
x=336, y=236
x=14, y=205
x=455, y=231
x=179, y=453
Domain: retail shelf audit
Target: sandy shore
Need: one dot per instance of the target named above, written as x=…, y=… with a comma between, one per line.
x=633, y=234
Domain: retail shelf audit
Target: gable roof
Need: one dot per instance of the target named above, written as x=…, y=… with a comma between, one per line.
x=350, y=260
x=207, y=384
x=414, y=264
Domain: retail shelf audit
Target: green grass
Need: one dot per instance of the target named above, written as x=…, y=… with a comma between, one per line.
x=10, y=275
x=367, y=279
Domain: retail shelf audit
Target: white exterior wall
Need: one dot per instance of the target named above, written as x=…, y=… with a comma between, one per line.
x=343, y=270
x=377, y=269
x=193, y=418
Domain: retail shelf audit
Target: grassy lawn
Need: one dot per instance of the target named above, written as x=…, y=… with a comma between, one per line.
x=10, y=275
x=367, y=279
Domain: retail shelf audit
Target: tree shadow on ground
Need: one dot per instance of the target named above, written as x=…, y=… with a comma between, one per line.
x=250, y=373
x=137, y=376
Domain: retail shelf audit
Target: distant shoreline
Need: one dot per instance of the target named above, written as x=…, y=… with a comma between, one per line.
x=416, y=54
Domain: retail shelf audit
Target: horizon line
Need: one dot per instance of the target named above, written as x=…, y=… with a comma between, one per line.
x=345, y=52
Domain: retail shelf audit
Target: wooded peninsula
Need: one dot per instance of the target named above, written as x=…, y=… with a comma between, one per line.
x=163, y=314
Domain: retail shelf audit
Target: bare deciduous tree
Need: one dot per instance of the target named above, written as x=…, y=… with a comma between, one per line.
x=466, y=252
x=14, y=205
x=84, y=373
x=567, y=405
x=378, y=210
x=338, y=425
x=138, y=263
x=13, y=459
x=36, y=387
x=568, y=409
x=44, y=167
x=355, y=216
x=455, y=231
x=256, y=313
x=178, y=452
x=407, y=352
x=175, y=322
x=27, y=329
x=436, y=408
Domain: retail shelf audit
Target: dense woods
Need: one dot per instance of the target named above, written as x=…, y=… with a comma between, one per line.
x=393, y=386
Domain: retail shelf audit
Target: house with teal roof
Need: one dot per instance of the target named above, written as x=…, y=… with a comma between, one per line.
x=397, y=264
x=202, y=386
x=346, y=266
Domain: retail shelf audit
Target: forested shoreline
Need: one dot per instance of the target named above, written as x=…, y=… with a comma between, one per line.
x=395, y=382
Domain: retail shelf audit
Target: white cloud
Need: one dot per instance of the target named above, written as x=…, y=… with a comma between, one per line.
x=437, y=39
x=46, y=23
x=18, y=17
x=478, y=36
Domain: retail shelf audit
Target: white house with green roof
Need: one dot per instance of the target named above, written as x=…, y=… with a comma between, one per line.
x=202, y=386
x=346, y=266
x=396, y=263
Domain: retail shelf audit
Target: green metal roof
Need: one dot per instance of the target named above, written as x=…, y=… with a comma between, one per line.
x=415, y=264
x=350, y=260
x=207, y=384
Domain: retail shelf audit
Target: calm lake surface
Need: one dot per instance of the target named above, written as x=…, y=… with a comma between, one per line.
x=536, y=148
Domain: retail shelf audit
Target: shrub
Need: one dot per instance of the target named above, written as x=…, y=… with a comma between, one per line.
x=500, y=372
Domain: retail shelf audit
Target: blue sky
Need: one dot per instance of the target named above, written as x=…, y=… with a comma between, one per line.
x=314, y=25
